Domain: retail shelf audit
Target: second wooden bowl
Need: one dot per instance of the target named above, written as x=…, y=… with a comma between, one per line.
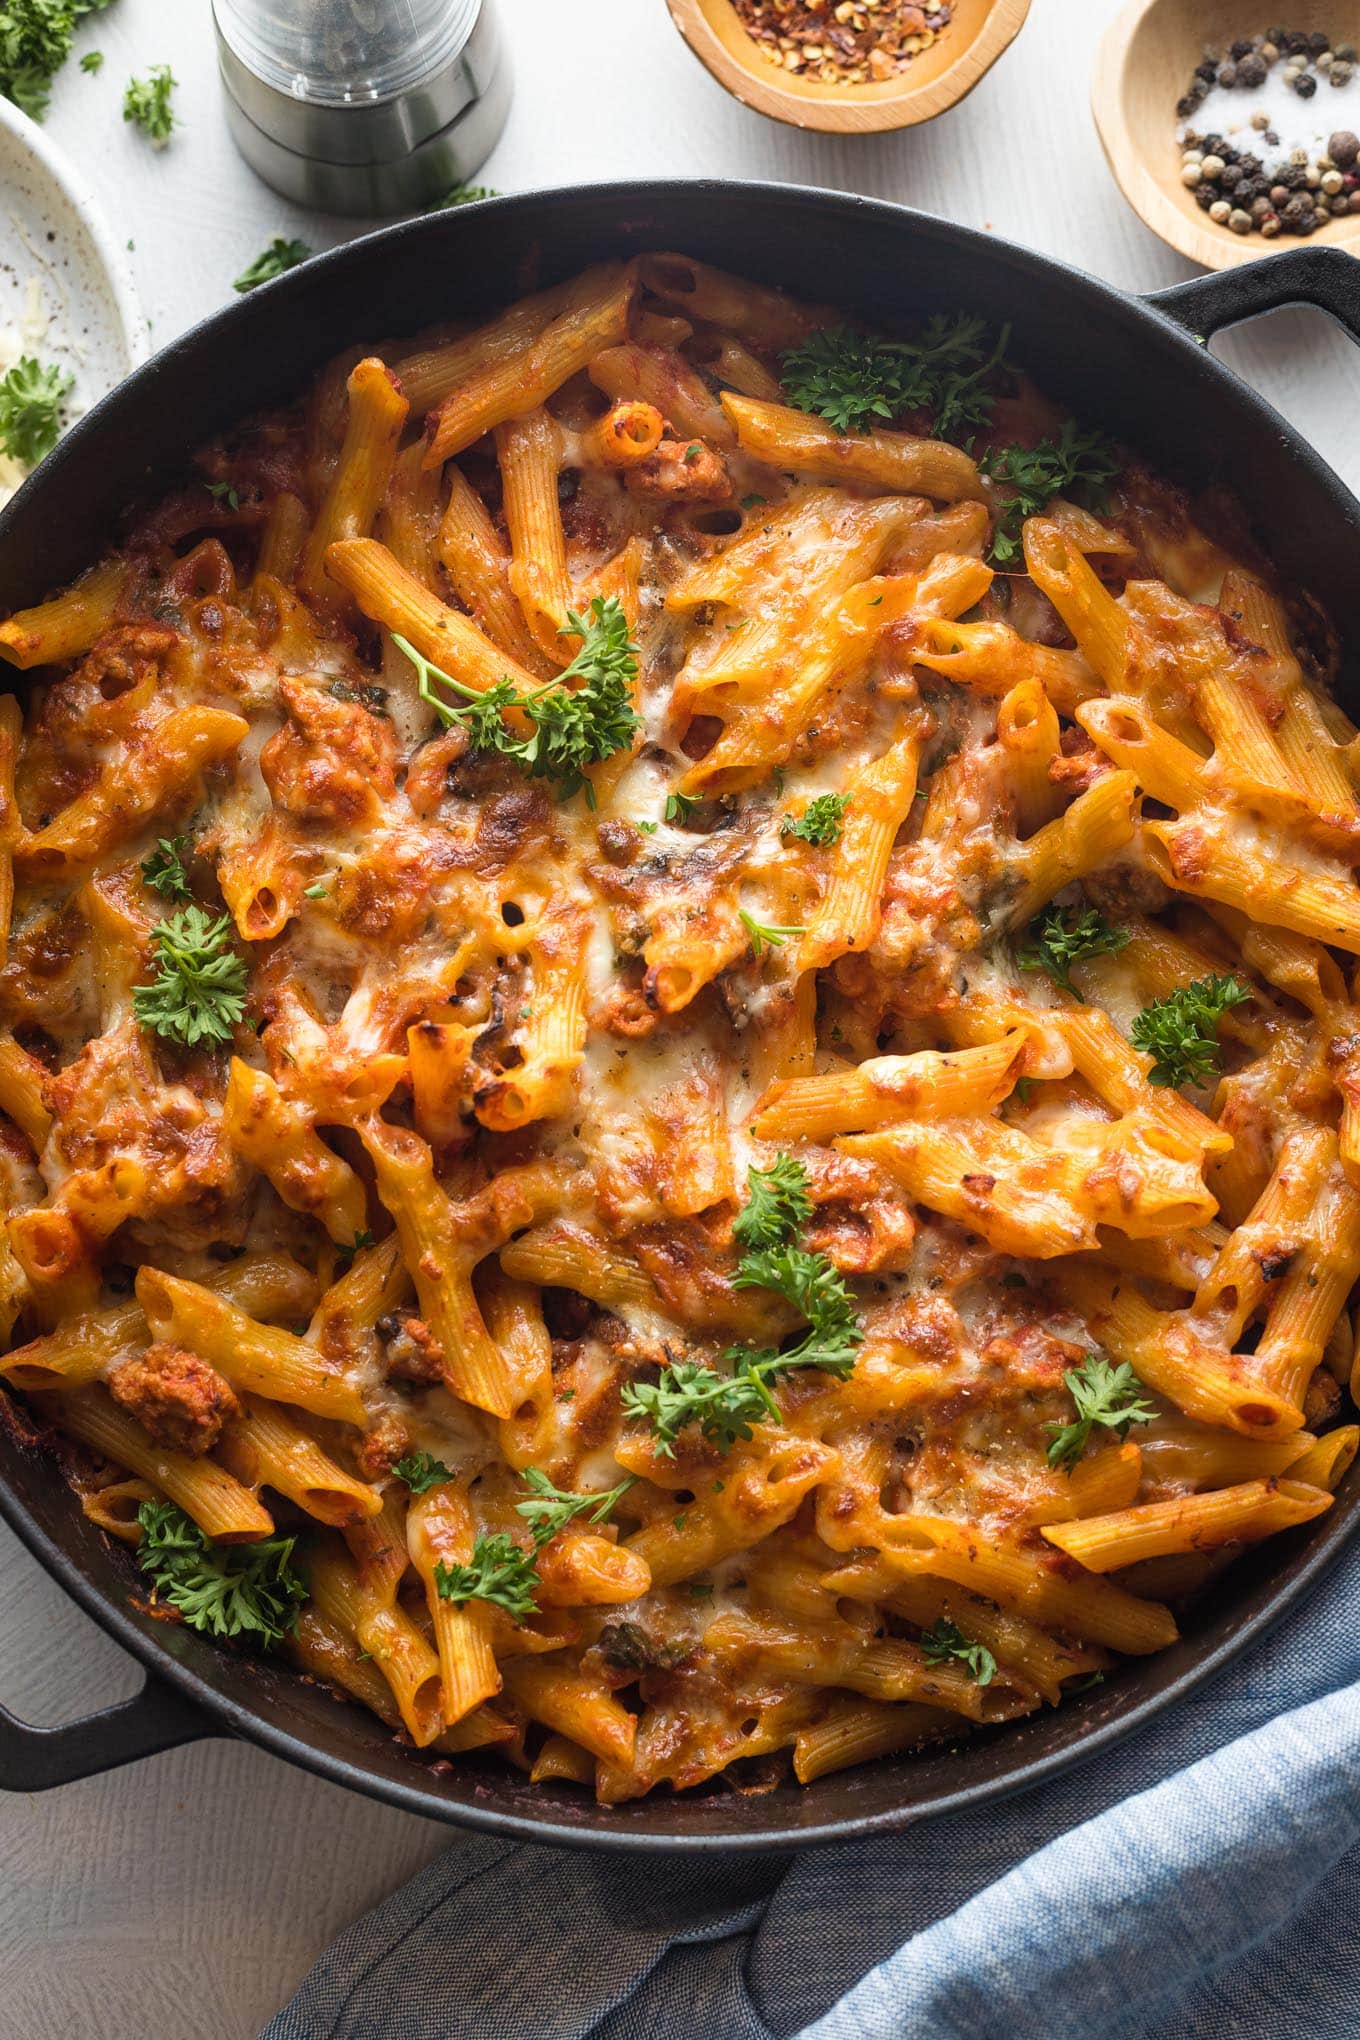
x=1145, y=63
x=934, y=81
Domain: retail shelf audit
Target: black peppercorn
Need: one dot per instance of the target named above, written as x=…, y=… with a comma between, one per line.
x=1306, y=85
x=1241, y=48
x=1293, y=177
x=1251, y=164
x=1340, y=204
x=1252, y=71
x=1205, y=194
x=1275, y=35
x=1260, y=186
x=1215, y=145
x=1294, y=41
x=1227, y=76
x=1258, y=209
x=1340, y=74
x=1318, y=42
x=1296, y=208
x=1208, y=70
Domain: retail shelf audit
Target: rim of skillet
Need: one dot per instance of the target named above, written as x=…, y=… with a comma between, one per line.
x=240, y=1719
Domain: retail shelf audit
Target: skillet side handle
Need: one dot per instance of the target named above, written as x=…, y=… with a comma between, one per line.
x=157, y=1718
x=1326, y=278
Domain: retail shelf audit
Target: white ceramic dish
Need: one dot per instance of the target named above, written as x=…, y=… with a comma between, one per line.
x=56, y=251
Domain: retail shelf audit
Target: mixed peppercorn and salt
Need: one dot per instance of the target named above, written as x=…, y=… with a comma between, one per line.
x=1261, y=145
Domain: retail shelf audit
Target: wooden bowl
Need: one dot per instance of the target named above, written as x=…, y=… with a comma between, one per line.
x=933, y=82
x=1145, y=63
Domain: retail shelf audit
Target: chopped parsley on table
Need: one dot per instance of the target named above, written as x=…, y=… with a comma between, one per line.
x=279, y=256
x=31, y=398
x=35, y=41
x=146, y=103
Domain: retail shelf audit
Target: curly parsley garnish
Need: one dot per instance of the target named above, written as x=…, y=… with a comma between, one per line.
x=31, y=398
x=164, y=868
x=777, y=1204
x=199, y=991
x=273, y=261
x=571, y=727
x=1180, y=1032
x=680, y=806
x=821, y=820
x=1062, y=936
x=35, y=41
x=946, y=1641
x=1033, y=475
x=421, y=1470
x=221, y=1589
x=146, y=103
x=726, y=1406
x=549, y=1509
x=1104, y=1395
x=851, y=379
x=500, y=1572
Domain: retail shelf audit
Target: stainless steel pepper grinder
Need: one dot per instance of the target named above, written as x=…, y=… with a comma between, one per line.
x=363, y=106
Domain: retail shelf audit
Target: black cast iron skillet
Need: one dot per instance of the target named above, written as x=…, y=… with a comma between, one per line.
x=1138, y=369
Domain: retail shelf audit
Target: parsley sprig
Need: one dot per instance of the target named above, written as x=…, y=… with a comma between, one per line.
x=502, y=1572
x=35, y=41
x=164, y=868
x=421, y=1471
x=777, y=1204
x=1062, y=936
x=1103, y=1395
x=146, y=103
x=199, y=991
x=726, y=1406
x=571, y=727
x=549, y=1509
x=946, y=1641
x=271, y=262
x=1032, y=476
x=499, y=1572
x=1180, y=1032
x=221, y=1589
x=851, y=378
x=821, y=820
x=31, y=398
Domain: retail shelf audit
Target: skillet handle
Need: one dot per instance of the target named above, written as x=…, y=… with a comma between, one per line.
x=1326, y=278
x=157, y=1718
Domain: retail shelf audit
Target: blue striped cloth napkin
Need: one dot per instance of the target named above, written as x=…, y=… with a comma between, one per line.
x=1199, y=1882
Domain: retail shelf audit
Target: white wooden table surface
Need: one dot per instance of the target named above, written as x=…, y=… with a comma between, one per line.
x=183, y=1898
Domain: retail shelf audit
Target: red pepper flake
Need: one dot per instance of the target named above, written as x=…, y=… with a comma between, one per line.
x=844, y=42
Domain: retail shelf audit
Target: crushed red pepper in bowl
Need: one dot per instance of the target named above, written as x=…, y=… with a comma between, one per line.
x=844, y=42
